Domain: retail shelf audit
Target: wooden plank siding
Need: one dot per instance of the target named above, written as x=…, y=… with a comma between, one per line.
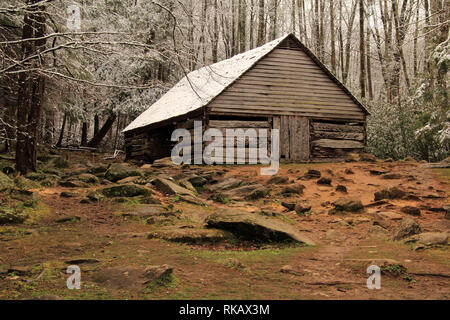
x=287, y=82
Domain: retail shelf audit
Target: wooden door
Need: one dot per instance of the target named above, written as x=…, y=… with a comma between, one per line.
x=294, y=138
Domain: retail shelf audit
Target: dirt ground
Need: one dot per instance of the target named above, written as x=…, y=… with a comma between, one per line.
x=38, y=252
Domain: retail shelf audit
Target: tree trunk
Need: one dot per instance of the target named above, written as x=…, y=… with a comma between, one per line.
x=31, y=90
x=61, y=133
x=261, y=24
x=97, y=139
x=362, y=50
x=333, y=40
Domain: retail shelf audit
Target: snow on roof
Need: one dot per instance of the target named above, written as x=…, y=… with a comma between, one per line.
x=199, y=87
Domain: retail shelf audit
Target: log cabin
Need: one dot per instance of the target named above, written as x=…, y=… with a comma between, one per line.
x=280, y=85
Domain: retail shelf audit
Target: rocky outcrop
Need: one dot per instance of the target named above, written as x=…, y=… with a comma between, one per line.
x=250, y=226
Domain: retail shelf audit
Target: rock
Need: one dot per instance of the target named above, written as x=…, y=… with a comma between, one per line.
x=255, y=227
x=131, y=278
x=302, y=207
x=82, y=261
x=377, y=231
x=197, y=181
x=257, y=194
x=68, y=219
x=351, y=157
x=87, y=178
x=118, y=171
x=389, y=215
x=68, y=194
x=411, y=210
x=312, y=174
x=128, y=190
x=191, y=199
x=226, y=184
x=129, y=180
x=430, y=238
x=377, y=172
x=190, y=235
x=408, y=227
x=324, y=181
x=9, y=216
x=347, y=204
x=163, y=163
x=382, y=223
x=245, y=191
x=288, y=205
x=341, y=188
x=293, y=189
x=392, y=176
x=5, y=182
x=349, y=171
x=389, y=193
x=278, y=180
x=94, y=196
x=171, y=188
x=188, y=185
x=72, y=183
x=97, y=170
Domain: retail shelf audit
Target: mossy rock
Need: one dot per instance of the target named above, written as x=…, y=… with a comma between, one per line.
x=86, y=178
x=118, y=171
x=10, y=216
x=129, y=190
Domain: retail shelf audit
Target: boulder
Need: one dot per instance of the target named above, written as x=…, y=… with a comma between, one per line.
x=118, y=171
x=408, y=227
x=190, y=235
x=171, y=188
x=430, y=238
x=411, y=211
x=249, y=226
x=347, y=204
x=389, y=193
x=341, y=188
x=278, y=180
x=127, y=190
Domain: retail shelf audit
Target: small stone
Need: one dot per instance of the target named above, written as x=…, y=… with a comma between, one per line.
x=341, y=188
x=324, y=181
x=278, y=180
x=347, y=204
x=312, y=174
x=411, y=210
